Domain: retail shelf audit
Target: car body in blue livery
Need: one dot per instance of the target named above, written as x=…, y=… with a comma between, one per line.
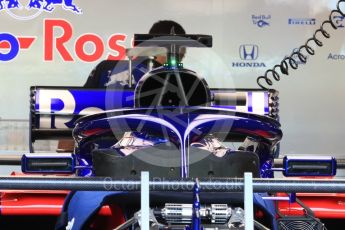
x=172, y=125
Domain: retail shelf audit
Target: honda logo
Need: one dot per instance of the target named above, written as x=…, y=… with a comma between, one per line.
x=249, y=52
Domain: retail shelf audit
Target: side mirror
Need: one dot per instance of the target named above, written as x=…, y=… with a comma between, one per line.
x=309, y=166
x=48, y=163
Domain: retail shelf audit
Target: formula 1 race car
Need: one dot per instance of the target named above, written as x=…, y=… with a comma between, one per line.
x=192, y=140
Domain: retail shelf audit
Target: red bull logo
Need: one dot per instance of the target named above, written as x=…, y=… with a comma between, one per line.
x=48, y=5
x=29, y=9
x=56, y=46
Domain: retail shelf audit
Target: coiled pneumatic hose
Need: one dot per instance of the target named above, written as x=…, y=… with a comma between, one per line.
x=266, y=80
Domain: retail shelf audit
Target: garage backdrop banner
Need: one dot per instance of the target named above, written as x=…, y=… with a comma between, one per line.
x=58, y=42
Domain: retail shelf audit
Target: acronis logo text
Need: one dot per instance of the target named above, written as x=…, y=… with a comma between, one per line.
x=29, y=9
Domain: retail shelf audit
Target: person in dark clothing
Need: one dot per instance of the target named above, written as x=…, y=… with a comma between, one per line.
x=105, y=75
